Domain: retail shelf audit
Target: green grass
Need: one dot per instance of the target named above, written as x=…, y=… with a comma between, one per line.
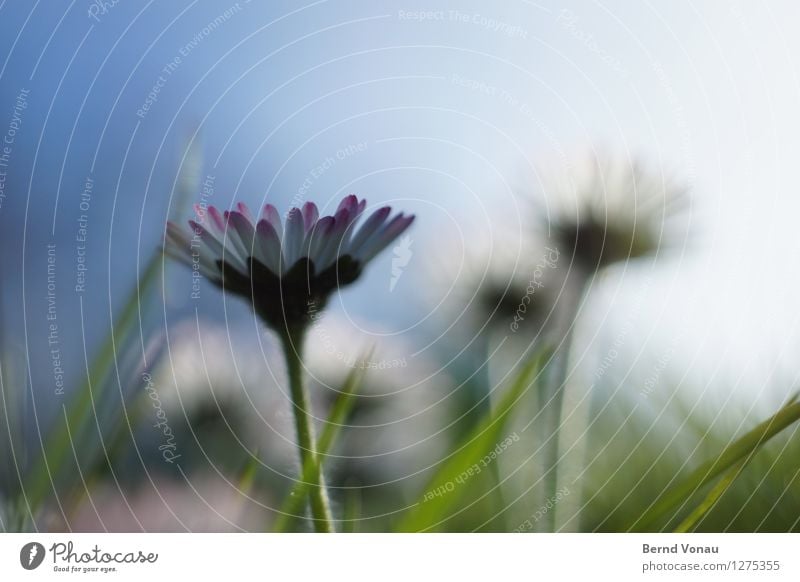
x=456, y=487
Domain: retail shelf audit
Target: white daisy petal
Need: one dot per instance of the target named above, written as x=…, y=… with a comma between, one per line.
x=270, y=245
x=218, y=251
x=332, y=249
x=293, y=238
x=207, y=269
x=310, y=215
x=245, y=211
x=349, y=203
x=370, y=226
x=204, y=264
x=216, y=222
x=232, y=239
x=381, y=239
x=360, y=209
x=350, y=230
x=318, y=239
x=177, y=241
x=193, y=256
x=247, y=235
x=179, y=247
x=271, y=214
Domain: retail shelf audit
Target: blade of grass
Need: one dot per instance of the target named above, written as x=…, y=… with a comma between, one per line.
x=292, y=508
x=433, y=509
x=713, y=496
x=247, y=475
x=743, y=447
x=342, y=407
x=78, y=411
x=12, y=442
x=190, y=173
x=351, y=510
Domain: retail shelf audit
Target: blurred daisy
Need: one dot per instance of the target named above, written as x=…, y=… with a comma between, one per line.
x=222, y=383
x=610, y=212
x=503, y=284
x=288, y=270
x=520, y=298
x=501, y=300
x=395, y=429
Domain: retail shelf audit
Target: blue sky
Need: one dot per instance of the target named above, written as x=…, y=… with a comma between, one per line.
x=443, y=108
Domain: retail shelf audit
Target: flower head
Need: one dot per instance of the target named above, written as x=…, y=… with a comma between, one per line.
x=506, y=280
x=287, y=270
x=614, y=212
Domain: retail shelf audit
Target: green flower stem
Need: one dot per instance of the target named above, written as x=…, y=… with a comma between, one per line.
x=558, y=385
x=309, y=458
x=552, y=424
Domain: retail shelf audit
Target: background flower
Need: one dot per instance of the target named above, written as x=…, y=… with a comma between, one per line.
x=606, y=210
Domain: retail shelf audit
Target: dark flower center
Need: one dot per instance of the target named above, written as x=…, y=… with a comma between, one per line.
x=595, y=245
x=289, y=301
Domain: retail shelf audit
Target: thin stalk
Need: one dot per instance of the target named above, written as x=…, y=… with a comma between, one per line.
x=342, y=407
x=699, y=512
x=306, y=442
x=553, y=399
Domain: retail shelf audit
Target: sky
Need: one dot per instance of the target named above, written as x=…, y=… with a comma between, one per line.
x=451, y=110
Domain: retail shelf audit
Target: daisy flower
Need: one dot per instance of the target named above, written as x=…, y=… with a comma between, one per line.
x=287, y=270
x=610, y=211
